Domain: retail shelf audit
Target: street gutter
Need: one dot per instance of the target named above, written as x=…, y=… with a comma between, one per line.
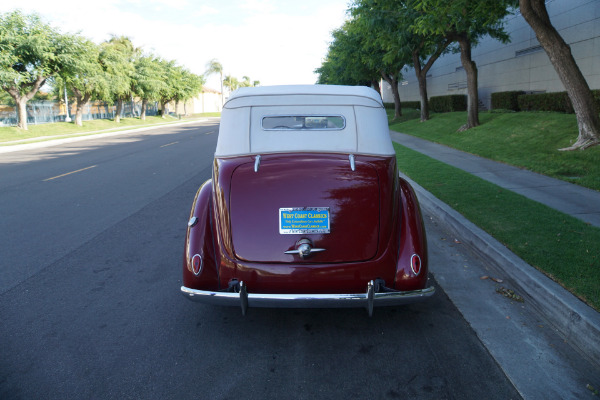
x=578, y=323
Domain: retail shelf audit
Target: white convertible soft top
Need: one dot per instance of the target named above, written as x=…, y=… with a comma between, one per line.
x=364, y=129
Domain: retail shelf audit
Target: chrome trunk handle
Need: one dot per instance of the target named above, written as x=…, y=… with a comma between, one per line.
x=304, y=248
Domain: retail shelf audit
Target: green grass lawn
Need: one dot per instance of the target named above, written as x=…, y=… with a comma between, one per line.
x=525, y=139
x=564, y=248
x=49, y=131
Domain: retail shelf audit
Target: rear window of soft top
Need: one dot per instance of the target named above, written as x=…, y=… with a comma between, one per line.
x=303, y=122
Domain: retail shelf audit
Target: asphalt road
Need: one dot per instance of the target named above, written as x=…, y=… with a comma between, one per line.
x=90, y=303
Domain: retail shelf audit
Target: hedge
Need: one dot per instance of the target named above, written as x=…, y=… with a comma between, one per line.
x=506, y=100
x=411, y=104
x=454, y=102
x=404, y=104
x=557, y=101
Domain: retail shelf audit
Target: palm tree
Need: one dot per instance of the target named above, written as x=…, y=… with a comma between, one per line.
x=231, y=83
x=214, y=67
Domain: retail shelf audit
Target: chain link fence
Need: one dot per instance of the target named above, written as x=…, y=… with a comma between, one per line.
x=43, y=112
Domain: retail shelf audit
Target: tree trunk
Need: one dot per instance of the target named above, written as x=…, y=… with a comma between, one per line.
x=22, y=99
x=424, y=98
x=421, y=73
x=422, y=79
x=397, y=103
x=559, y=52
x=22, y=112
x=78, y=108
x=119, y=110
x=471, y=70
x=392, y=80
x=81, y=101
x=375, y=85
x=143, y=111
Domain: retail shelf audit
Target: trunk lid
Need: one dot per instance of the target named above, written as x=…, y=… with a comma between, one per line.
x=326, y=182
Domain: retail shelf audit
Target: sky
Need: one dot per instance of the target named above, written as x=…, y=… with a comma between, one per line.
x=272, y=41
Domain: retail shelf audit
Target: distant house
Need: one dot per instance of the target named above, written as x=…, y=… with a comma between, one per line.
x=521, y=64
x=209, y=100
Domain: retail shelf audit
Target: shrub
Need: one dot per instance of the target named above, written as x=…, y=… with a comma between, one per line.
x=506, y=100
x=404, y=104
x=454, y=102
x=596, y=95
x=558, y=102
x=411, y=104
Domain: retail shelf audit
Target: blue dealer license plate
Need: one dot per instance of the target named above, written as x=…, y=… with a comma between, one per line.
x=303, y=220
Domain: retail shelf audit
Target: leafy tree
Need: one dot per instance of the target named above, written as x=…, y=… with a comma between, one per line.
x=464, y=22
x=559, y=52
x=343, y=64
x=215, y=67
x=425, y=51
x=148, y=81
x=186, y=86
x=6, y=99
x=30, y=52
x=167, y=92
x=84, y=76
x=255, y=83
x=117, y=57
x=381, y=46
x=391, y=43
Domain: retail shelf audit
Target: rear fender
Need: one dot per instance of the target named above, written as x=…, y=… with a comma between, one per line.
x=412, y=266
x=199, y=242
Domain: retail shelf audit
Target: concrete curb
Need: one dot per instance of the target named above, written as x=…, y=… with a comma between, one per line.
x=90, y=135
x=577, y=322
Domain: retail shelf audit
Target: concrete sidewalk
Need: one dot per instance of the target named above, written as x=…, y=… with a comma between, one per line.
x=577, y=201
x=577, y=322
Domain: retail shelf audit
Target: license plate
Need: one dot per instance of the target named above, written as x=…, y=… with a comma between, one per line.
x=303, y=220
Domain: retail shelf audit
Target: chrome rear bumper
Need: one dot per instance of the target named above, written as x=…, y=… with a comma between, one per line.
x=369, y=299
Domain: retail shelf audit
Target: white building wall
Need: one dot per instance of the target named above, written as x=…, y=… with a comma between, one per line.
x=502, y=68
x=208, y=101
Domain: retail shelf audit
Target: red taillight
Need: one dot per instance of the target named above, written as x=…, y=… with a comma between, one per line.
x=196, y=264
x=415, y=264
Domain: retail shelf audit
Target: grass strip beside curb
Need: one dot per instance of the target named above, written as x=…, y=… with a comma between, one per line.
x=562, y=247
x=58, y=130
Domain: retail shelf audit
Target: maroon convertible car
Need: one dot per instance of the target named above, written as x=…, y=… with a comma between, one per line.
x=305, y=207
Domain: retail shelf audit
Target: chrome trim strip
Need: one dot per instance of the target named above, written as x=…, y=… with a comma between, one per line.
x=192, y=222
x=315, y=250
x=257, y=163
x=308, y=300
x=352, y=163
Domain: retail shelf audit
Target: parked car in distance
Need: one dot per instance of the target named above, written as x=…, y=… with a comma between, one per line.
x=305, y=207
